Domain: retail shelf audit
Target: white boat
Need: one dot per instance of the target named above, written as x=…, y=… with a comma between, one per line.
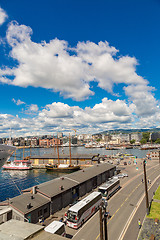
x=18, y=165
x=5, y=152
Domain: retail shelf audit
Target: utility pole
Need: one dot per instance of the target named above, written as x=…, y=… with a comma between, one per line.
x=101, y=223
x=146, y=190
x=105, y=226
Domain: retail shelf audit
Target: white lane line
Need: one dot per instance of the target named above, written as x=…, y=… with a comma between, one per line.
x=133, y=213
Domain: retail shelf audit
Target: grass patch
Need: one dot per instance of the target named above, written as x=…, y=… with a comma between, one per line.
x=155, y=210
x=157, y=194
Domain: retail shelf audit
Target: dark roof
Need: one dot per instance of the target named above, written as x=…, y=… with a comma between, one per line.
x=20, y=202
x=56, y=186
x=87, y=173
x=63, y=156
x=52, y=188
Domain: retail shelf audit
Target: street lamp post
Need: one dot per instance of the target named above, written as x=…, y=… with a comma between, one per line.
x=105, y=226
x=146, y=191
x=101, y=223
x=105, y=215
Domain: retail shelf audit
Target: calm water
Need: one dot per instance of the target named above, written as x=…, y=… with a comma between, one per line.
x=12, y=182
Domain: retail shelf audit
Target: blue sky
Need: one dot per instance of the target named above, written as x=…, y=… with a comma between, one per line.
x=84, y=65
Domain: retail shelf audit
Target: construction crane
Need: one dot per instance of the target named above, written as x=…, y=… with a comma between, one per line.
x=74, y=131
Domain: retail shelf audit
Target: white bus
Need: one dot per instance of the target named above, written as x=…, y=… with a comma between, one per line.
x=109, y=188
x=81, y=211
x=56, y=227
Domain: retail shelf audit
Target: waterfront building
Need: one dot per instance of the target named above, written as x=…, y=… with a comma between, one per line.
x=154, y=154
x=47, y=198
x=49, y=142
x=154, y=136
x=59, y=135
x=137, y=136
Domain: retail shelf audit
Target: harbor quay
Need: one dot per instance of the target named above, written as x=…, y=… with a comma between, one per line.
x=76, y=159
x=43, y=200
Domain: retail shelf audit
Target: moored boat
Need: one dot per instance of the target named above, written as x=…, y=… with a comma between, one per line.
x=62, y=167
x=18, y=165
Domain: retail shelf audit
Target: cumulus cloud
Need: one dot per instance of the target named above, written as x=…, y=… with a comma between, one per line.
x=61, y=117
x=61, y=68
x=70, y=71
x=3, y=16
x=58, y=116
x=18, y=102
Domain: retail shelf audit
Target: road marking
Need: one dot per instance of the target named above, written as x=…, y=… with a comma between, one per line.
x=133, y=213
x=129, y=196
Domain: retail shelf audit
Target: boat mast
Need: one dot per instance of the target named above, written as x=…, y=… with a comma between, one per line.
x=58, y=150
x=23, y=153
x=70, y=148
x=15, y=155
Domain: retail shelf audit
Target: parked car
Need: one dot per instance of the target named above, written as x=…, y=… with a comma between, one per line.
x=125, y=174
x=125, y=163
x=120, y=176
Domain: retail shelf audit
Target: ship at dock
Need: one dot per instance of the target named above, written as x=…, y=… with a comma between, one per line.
x=5, y=152
x=64, y=168
x=18, y=165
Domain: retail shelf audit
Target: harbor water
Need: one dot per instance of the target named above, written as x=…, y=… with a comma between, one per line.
x=12, y=182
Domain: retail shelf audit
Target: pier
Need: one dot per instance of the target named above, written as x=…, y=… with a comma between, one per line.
x=82, y=160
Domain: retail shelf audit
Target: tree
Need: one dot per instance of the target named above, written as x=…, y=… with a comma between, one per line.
x=143, y=141
x=157, y=141
x=146, y=136
x=132, y=141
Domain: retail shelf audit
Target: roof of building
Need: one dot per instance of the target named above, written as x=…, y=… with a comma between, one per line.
x=56, y=187
x=64, y=156
x=18, y=230
x=53, y=187
x=88, y=173
x=43, y=235
x=21, y=202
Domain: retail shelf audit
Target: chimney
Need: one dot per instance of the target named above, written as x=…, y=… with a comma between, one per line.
x=34, y=189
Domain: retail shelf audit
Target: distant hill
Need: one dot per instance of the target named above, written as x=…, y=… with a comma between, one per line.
x=116, y=131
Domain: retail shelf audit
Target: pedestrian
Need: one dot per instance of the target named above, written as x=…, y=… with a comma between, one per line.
x=148, y=181
x=142, y=180
x=108, y=214
x=139, y=223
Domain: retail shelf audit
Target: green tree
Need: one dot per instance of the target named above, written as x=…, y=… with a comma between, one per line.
x=146, y=136
x=132, y=141
x=143, y=141
x=98, y=140
x=157, y=141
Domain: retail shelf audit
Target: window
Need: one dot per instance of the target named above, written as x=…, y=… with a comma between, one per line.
x=40, y=213
x=45, y=210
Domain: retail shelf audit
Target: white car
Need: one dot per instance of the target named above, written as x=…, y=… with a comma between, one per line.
x=120, y=176
x=125, y=174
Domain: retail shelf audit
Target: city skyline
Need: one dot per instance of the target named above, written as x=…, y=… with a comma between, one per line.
x=85, y=65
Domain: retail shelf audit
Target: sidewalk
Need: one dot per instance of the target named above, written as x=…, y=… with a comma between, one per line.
x=149, y=227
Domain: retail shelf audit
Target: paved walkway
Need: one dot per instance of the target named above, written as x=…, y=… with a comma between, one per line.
x=149, y=227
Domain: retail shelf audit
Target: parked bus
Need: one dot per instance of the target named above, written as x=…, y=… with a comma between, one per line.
x=81, y=211
x=109, y=188
x=56, y=227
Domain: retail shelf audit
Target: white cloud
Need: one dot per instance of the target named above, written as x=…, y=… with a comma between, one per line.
x=33, y=108
x=70, y=71
x=18, y=102
x=64, y=69
x=3, y=16
x=143, y=101
x=58, y=116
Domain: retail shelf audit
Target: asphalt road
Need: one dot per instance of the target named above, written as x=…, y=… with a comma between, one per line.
x=125, y=207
